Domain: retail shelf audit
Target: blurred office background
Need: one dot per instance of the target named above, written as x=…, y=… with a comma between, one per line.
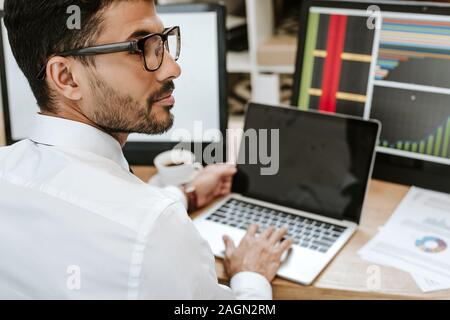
x=262, y=46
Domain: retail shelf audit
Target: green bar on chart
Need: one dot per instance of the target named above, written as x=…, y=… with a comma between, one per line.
x=430, y=145
x=414, y=147
x=399, y=145
x=308, y=61
x=437, y=145
x=446, y=146
x=422, y=147
x=407, y=146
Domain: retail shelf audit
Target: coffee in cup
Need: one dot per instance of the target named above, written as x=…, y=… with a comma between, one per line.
x=177, y=167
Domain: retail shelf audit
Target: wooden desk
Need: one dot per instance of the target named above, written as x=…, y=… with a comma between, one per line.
x=346, y=277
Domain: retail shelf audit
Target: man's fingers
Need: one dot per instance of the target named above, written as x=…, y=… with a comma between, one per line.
x=229, y=246
x=285, y=245
x=227, y=183
x=225, y=191
x=267, y=233
x=227, y=180
x=227, y=171
x=252, y=230
x=222, y=170
x=227, y=186
x=277, y=236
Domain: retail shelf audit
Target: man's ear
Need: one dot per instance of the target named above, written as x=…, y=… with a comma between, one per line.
x=61, y=78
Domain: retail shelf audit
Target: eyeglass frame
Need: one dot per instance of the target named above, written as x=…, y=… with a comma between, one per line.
x=134, y=46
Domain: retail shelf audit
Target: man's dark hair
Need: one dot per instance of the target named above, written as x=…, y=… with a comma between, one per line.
x=38, y=28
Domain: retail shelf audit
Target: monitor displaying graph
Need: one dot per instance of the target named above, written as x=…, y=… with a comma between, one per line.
x=391, y=66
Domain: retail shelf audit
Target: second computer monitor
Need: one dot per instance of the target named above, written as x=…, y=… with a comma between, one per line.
x=385, y=61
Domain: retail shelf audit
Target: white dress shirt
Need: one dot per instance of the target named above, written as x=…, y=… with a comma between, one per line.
x=76, y=224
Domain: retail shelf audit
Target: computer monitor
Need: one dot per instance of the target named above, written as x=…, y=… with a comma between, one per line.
x=201, y=108
x=388, y=61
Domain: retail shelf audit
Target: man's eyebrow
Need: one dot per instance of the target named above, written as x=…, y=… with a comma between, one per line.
x=141, y=33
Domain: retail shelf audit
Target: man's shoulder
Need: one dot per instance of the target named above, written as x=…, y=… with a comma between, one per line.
x=6, y=151
x=97, y=185
x=112, y=192
x=17, y=157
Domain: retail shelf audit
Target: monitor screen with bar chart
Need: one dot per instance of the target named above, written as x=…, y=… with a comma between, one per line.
x=380, y=63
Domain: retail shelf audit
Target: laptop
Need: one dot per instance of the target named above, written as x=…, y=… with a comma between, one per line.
x=321, y=165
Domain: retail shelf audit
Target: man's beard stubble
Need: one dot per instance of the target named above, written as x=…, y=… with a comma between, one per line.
x=122, y=114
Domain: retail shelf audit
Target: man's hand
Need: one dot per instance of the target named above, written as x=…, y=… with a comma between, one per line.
x=257, y=253
x=213, y=182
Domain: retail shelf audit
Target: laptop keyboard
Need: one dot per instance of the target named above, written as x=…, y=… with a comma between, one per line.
x=306, y=233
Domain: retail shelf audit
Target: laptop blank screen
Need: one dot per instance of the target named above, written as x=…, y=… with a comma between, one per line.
x=324, y=161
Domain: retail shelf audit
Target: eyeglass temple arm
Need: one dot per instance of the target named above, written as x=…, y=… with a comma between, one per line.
x=130, y=46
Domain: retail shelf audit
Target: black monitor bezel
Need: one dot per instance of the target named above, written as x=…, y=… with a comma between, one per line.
x=4, y=89
x=143, y=153
x=388, y=167
x=374, y=125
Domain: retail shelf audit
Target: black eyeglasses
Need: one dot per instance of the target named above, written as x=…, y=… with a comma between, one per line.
x=152, y=48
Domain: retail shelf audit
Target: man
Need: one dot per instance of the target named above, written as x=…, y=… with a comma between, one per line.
x=75, y=223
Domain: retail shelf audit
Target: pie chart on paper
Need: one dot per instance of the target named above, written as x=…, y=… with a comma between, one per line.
x=431, y=245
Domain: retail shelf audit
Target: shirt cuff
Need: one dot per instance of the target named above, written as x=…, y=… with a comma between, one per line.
x=251, y=286
x=178, y=195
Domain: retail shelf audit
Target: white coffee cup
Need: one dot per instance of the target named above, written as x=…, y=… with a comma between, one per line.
x=177, y=167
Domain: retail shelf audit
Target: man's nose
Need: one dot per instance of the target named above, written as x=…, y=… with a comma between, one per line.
x=169, y=69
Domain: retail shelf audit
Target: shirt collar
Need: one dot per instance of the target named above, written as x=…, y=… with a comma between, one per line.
x=60, y=132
